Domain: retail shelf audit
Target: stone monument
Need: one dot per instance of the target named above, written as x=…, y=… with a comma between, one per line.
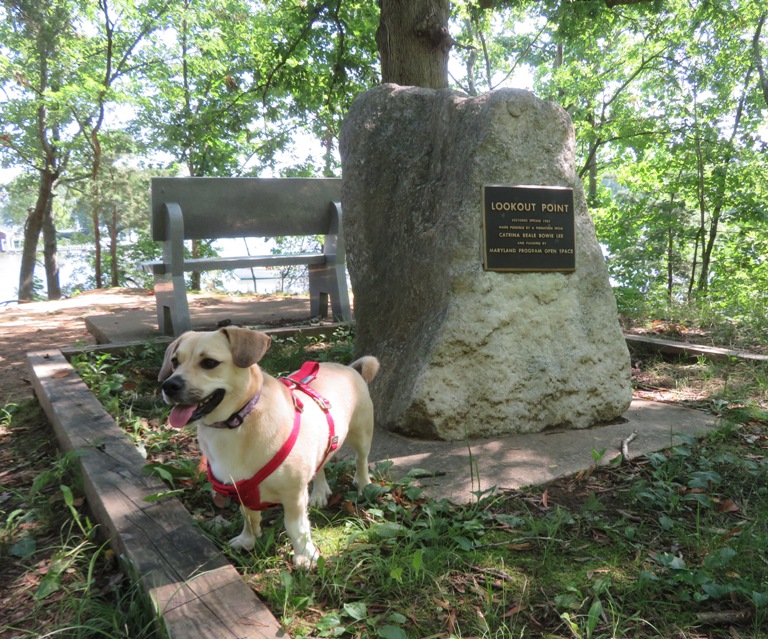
x=474, y=338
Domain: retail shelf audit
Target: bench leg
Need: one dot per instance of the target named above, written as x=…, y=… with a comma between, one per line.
x=325, y=280
x=172, y=306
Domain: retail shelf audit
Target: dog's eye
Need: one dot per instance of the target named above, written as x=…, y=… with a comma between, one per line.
x=209, y=364
x=175, y=362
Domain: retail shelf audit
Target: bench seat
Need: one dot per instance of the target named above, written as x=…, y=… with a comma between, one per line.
x=230, y=263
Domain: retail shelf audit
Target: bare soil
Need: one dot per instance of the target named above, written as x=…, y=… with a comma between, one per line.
x=43, y=325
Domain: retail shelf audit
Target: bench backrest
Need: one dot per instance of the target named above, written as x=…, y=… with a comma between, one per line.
x=245, y=207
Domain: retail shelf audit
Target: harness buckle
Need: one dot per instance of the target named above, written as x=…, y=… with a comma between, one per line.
x=235, y=421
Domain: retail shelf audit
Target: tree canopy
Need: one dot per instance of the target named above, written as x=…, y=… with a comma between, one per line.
x=669, y=100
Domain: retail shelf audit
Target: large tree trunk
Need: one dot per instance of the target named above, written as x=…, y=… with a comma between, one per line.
x=29, y=256
x=414, y=42
x=51, y=253
x=113, y=248
x=32, y=230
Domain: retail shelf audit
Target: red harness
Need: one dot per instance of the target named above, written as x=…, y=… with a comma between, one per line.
x=246, y=491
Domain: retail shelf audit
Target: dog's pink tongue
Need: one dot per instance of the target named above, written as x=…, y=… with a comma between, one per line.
x=180, y=415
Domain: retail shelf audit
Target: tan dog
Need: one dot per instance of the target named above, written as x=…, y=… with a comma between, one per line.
x=244, y=418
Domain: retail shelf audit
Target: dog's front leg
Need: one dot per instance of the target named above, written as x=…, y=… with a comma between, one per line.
x=297, y=526
x=251, y=530
x=321, y=491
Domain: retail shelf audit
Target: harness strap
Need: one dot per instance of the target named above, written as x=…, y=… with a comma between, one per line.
x=246, y=491
x=300, y=380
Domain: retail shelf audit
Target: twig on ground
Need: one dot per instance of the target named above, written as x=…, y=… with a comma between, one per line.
x=625, y=445
x=722, y=617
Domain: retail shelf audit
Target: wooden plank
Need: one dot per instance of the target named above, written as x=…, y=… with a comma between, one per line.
x=690, y=350
x=197, y=592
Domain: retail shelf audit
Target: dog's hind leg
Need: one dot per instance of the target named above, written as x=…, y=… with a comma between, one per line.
x=297, y=526
x=246, y=540
x=321, y=491
x=362, y=478
x=359, y=439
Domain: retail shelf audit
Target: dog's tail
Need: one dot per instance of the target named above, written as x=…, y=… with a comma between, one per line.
x=367, y=366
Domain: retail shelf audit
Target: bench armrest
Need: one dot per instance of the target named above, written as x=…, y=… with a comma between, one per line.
x=333, y=248
x=173, y=246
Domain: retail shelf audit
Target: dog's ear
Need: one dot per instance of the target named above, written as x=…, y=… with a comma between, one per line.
x=247, y=346
x=166, y=369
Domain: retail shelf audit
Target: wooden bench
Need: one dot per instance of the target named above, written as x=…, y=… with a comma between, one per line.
x=216, y=208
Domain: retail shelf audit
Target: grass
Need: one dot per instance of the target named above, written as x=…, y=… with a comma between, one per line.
x=668, y=545
x=57, y=579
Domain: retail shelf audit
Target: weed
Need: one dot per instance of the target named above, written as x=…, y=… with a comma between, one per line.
x=57, y=579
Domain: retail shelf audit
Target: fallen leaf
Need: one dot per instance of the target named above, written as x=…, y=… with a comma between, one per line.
x=517, y=608
x=728, y=506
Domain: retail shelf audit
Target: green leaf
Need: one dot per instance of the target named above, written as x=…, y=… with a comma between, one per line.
x=593, y=617
x=397, y=574
x=462, y=542
x=397, y=618
x=356, y=610
x=417, y=561
x=51, y=582
x=24, y=548
x=372, y=492
x=391, y=632
x=328, y=623
x=760, y=599
x=388, y=529
x=66, y=493
x=48, y=585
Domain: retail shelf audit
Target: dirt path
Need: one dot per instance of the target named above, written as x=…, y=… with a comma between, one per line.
x=41, y=325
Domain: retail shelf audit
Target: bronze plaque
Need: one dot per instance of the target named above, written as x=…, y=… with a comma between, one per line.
x=528, y=228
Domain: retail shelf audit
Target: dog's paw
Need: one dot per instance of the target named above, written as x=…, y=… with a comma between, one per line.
x=319, y=497
x=243, y=542
x=306, y=561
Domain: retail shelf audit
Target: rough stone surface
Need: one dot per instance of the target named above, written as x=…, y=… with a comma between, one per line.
x=464, y=352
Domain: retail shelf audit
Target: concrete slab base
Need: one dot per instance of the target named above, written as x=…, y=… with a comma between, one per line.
x=462, y=468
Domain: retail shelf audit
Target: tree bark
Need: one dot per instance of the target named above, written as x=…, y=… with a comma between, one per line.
x=113, y=248
x=51, y=253
x=414, y=42
x=29, y=251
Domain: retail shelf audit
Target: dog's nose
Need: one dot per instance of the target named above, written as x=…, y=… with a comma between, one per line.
x=173, y=385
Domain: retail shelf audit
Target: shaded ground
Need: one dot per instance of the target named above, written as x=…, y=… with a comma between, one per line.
x=42, y=325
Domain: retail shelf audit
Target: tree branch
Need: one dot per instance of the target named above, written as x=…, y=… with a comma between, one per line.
x=758, y=57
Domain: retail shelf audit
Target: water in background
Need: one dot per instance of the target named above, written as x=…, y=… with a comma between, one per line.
x=72, y=263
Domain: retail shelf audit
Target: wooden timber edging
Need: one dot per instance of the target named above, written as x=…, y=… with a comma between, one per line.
x=689, y=350
x=194, y=590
